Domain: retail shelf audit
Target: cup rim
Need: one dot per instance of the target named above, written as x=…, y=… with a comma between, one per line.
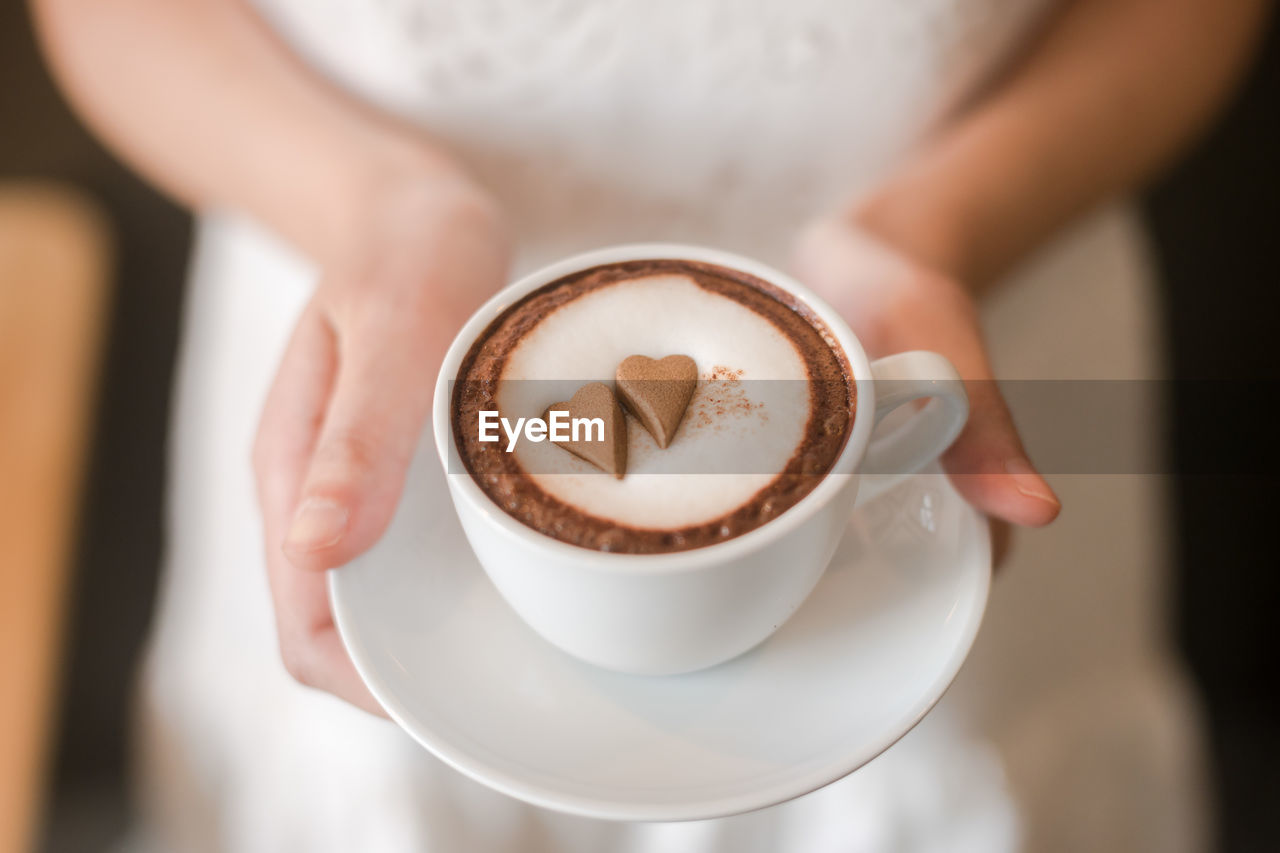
x=463, y=486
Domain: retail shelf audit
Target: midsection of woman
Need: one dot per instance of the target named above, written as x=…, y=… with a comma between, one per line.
x=730, y=122
x=723, y=122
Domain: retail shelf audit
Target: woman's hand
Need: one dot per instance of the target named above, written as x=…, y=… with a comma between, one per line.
x=351, y=395
x=894, y=304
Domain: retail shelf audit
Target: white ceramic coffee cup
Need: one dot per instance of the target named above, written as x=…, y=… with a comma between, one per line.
x=659, y=614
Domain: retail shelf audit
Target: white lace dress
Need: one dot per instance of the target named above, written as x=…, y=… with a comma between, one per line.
x=728, y=123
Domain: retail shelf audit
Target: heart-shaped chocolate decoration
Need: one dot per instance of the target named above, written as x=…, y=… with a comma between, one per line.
x=658, y=392
x=595, y=400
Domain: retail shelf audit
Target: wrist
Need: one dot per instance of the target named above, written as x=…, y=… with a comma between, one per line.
x=401, y=197
x=970, y=204
x=915, y=216
x=366, y=177
x=872, y=282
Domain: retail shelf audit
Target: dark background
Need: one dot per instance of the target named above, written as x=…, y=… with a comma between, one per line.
x=1216, y=224
x=1214, y=221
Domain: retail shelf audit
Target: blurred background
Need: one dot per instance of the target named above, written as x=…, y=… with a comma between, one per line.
x=91, y=273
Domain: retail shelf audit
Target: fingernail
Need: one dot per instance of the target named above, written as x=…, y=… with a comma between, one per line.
x=1028, y=482
x=318, y=523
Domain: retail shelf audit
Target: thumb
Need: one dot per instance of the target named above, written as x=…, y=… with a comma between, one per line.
x=380, y=399
x=990, y=468
x=895, y=305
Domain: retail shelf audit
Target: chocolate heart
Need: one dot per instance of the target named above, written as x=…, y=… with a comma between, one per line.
x=657, y=392
x=595, y=400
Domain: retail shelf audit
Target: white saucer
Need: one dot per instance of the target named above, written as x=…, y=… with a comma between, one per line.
x=859, y=664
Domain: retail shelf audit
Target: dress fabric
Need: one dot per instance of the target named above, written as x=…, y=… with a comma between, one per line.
x=728, y=123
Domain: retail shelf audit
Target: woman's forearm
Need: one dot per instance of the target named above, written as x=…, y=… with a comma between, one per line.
x=1111, y=92
x=201, y=98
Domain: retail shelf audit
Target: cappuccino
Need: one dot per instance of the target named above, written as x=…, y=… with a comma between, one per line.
x=768, y=416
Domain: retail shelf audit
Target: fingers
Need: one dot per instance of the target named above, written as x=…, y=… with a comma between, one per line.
x=310, y=648
x=292, y=413
x=894, y=305
x=309, y=643
x=343, y=417
x=380, y=397
x=989, y=465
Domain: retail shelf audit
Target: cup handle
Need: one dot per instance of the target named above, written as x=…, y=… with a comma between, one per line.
x=900, y=379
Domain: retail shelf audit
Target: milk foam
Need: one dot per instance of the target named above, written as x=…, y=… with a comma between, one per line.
x=659, y=315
